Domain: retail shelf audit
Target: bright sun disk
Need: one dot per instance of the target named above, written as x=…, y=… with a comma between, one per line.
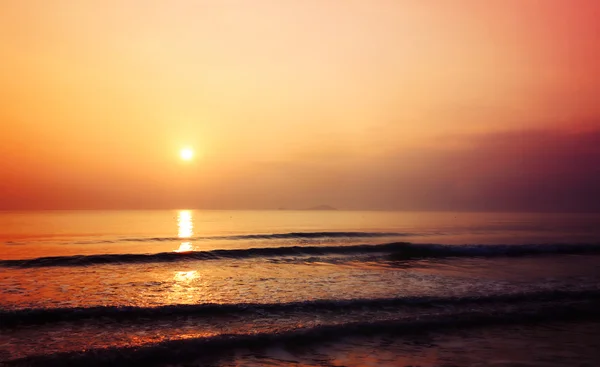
x=186, y=154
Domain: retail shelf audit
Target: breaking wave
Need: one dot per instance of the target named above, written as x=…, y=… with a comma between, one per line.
x=12, y=318
x=394, y=251
x=188, y=350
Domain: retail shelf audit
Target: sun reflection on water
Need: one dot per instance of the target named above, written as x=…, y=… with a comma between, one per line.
x=185, y=226
x=185, y=276
x=185, y=247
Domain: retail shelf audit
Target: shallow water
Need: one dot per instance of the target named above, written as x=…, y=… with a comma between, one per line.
x=555, y=345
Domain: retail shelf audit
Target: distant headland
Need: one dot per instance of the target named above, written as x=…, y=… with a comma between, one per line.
x=318, y=207
x=322, y=207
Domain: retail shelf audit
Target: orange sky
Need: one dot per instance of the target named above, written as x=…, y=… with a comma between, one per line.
x=383, y=104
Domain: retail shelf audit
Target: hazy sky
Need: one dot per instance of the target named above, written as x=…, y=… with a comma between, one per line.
x=379, y=104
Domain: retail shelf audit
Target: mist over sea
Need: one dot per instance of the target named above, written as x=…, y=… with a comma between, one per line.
x=309, y=288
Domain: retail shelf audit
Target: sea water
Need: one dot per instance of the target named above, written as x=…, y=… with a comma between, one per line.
x=316, y=288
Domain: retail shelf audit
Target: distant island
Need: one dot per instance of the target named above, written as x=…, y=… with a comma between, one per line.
x=318, y=207
x=322, y=207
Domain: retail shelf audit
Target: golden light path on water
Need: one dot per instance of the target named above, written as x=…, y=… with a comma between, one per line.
x=185, y=230
x=185, y=227
x=185, y=276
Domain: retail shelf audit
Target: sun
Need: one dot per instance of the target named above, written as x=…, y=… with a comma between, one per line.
x=186, y=154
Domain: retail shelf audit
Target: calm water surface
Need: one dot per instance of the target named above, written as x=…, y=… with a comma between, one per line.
x=53, y=233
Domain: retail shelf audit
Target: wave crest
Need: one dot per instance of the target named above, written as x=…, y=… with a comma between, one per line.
x=41, y=316
x=395, y=251
x=185, y=350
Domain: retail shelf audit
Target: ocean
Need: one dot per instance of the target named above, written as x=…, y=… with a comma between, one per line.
x=299, y=288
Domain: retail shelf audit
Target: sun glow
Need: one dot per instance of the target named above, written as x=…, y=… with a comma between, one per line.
x=187, y=154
